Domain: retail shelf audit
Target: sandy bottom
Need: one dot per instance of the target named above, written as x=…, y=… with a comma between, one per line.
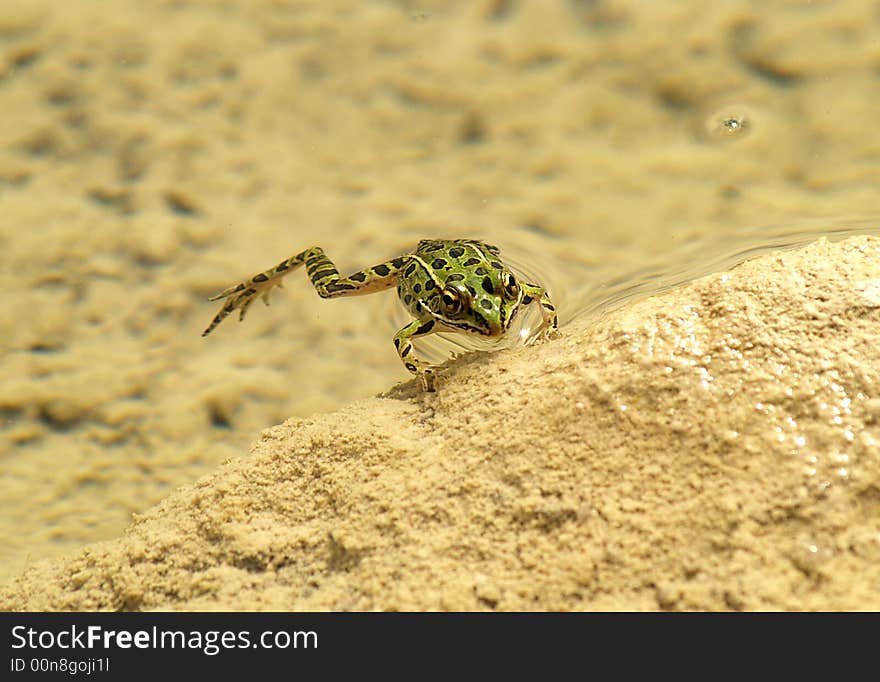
x=717, y=447
x=153, y=154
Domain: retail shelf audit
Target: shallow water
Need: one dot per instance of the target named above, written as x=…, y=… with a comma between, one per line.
x=156, y=154
x=701, y=258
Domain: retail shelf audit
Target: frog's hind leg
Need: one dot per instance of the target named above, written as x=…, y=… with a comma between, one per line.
x=327, y=282
x=240, y=296
x=403, y=344
x=323, y=274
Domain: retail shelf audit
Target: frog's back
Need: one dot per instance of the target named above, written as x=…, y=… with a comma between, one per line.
x=455, y=250
x=438, y=261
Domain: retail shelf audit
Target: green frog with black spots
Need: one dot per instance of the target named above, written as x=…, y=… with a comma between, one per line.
x=457, y=285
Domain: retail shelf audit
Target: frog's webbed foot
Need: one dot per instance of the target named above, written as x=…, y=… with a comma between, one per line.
x=240, y=296
x=549, y=319
x=403, y=343
x=551, y=330
x=428, y=376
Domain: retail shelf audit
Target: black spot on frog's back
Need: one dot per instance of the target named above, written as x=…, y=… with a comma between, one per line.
x=429, y=246
x=456, y=252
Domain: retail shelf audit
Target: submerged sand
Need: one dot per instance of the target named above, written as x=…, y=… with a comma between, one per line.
x=153, y=153
x=714, y=447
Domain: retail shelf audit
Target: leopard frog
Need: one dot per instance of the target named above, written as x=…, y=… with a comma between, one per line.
x=448, y=285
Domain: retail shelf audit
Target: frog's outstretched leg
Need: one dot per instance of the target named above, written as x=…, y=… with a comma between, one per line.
x=323, y=273
x=532, y=292
x=403, y=344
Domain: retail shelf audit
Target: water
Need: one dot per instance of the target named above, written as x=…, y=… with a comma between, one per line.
x=154, y=155
x=702, y=258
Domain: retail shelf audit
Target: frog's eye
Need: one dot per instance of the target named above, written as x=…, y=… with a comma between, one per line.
x=450, y=302
x=511, y=288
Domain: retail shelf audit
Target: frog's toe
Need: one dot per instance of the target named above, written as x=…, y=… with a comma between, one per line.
x=219, y=317
x=429, y=380
x=228, y=292
x=243, y=303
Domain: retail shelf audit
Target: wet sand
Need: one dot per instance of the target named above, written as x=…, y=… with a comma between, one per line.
x=152, y=155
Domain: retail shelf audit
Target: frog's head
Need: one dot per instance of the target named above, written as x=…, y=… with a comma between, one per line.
x=483, y=305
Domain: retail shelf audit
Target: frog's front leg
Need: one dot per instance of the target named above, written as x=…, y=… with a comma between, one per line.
x=532, y=292
x=403, y=344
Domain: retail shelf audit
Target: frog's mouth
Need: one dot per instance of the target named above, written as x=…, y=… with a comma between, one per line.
x=472, y=327
x=485, y=326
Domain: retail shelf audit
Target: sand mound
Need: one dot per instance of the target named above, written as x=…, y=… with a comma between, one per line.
x=716, y=447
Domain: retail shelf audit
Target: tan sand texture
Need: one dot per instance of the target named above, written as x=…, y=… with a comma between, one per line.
x=715, y=447
x=152, y=153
